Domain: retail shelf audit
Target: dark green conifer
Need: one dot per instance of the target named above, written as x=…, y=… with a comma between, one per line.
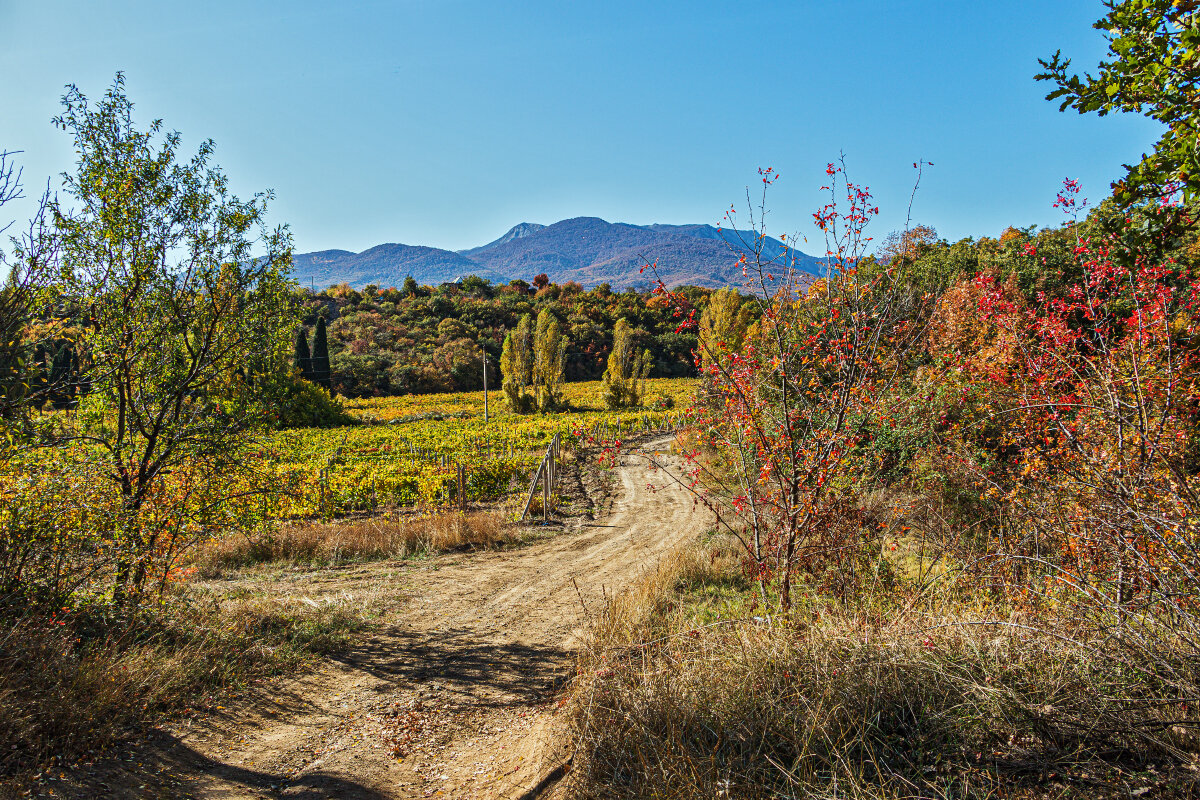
x=303, y=360
x=320, y=357
x=60, y=375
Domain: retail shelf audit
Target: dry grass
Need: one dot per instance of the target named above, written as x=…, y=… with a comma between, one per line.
x=75, y=683
x=72, y=685
x=845, y=703
x=326, y=543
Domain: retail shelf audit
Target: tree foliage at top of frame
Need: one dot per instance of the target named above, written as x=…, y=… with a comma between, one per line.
x=1154, y=70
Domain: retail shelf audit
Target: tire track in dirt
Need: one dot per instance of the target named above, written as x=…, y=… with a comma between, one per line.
x=458, y=698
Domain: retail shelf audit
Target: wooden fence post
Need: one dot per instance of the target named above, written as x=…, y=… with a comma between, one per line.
x=462, y=487
x=532, y=488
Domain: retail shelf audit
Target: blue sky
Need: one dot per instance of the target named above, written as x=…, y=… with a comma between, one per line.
x=445, y=122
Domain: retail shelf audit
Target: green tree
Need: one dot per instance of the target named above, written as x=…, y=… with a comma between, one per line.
x=303, y=358
x=189, y=321
x=625, y=377
x=516, y=366
x=1154, y=70
x=64, y=370
x=321, y=372
x=549, y=350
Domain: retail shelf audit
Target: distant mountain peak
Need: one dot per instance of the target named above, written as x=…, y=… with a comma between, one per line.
x=518, y=231
x=522, y=229
x=589, y=250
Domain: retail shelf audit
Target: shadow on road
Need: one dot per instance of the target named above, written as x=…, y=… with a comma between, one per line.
x=164, y=767
x=471, y=669
x=309, y=786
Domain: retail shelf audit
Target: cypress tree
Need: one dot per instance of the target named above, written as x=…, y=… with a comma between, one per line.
x=320, y=357
x=303, y=361
x=60, y=374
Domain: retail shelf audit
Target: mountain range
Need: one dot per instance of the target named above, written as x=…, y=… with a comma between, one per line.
x=584, y=249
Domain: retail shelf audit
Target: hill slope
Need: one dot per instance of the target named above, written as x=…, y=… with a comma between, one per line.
x=584, y=249
x=385, y=265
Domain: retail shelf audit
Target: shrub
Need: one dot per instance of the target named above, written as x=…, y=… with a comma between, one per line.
x=662, y=402
x=304, y=404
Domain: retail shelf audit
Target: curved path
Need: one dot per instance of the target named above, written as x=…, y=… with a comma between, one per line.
x=457, y=698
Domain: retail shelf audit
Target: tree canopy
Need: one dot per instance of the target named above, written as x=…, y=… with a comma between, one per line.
x=188, y=321
x=1154, y=70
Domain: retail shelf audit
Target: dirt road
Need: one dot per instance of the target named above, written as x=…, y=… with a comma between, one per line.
x=458, y=697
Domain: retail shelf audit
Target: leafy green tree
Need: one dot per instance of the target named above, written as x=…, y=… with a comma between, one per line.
x=516, y=366
x=321, y=372
x=1154, y=70
x=476, y=286
x=451, y=328
x=550, y=351
x=189, y=322
x=625, y=377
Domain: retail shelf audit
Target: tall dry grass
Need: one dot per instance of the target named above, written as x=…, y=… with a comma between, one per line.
x=377, y=538
x=73, y=684
x=856, y=702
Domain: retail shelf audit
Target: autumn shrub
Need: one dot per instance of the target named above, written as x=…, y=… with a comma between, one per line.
x=969, y=518
x=51, y=524
x=1084, y=448
x=807, y=405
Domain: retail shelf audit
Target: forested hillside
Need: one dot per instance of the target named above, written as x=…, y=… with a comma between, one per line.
x=419, y=339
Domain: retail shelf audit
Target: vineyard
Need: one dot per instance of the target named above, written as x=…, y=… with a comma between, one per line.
x=407, y=450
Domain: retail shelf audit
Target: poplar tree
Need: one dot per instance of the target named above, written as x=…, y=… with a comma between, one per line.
x=624, y=380
x=722, y=327
x=550, y=352
x=516, y=366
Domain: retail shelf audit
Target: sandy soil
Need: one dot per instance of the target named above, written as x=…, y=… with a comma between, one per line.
x=456, y=698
